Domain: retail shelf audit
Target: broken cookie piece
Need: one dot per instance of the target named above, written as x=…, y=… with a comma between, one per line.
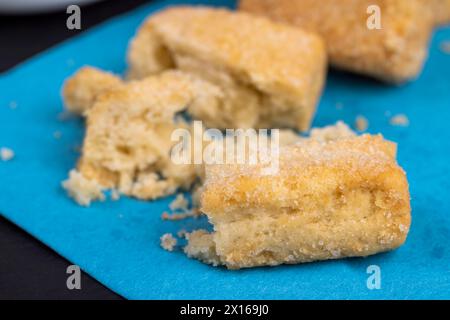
x=270, y=75
x=330, y=199
x=386, y=39
x=128, y=138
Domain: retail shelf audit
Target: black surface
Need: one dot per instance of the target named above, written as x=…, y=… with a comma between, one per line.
x=23, y=36
x=28, y=268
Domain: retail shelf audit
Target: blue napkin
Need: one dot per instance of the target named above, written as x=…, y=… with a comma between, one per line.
x=118, y=242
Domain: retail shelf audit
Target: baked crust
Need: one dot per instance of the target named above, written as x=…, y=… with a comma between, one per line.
x=271, y=75
x=395, y=53
x=333, y=199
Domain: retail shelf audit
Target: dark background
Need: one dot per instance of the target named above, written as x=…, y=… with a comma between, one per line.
x=28, y=268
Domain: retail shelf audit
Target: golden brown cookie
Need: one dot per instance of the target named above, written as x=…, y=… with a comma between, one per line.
x=394, y=53
x=330, y=199
x=270, y=74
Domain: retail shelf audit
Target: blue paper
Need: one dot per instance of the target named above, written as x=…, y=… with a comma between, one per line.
x=118, y=242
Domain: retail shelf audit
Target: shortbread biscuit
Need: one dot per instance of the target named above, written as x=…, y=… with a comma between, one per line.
x=394, y=53
x=81, y=90
x=128, y=138
x=270, y=75
x=330, y=199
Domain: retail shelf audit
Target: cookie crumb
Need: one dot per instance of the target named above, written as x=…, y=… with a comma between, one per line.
x=194, y=213
x=180, y=203
x=361, y=123
x=82, y=190
x=180, y=210
x=168, y=242
x=445, y=47
x=400, y=120
x=332, y=132
x=6, y=154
